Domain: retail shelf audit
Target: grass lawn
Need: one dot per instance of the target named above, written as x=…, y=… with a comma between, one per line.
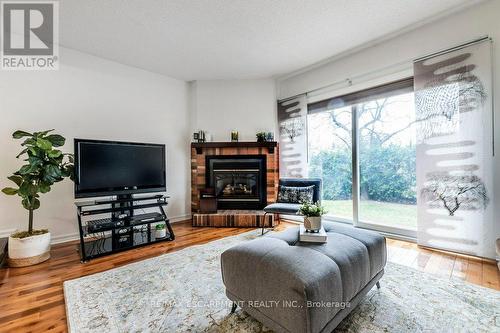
x=386, y=213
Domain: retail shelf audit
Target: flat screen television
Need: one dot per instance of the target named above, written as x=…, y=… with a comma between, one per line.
x=104, y=168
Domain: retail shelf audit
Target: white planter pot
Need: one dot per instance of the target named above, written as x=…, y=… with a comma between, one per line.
x=161, y=233
x=29, y=250
x=312, y=223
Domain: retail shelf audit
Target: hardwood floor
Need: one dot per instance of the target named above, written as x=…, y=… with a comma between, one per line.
x=446, y=265
x=32, y=299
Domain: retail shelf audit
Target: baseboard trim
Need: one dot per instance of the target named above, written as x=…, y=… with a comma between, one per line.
x=64, y=238
x=6, y=232
x=53, y=240
x=180, y=218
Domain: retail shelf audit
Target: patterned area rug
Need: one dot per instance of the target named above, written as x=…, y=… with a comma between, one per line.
x=183, y=292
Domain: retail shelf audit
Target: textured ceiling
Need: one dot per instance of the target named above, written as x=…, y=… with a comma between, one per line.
x=234, y=39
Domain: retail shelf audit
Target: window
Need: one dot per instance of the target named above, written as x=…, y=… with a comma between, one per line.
x=330, y=158
x=383, y=157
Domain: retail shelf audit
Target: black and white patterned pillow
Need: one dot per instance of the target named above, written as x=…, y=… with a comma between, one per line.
x=292, y=194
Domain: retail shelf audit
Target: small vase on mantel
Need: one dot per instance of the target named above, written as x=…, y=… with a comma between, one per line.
x=234, y=136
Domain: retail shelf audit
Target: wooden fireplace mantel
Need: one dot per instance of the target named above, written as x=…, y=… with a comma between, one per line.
x=199, y=146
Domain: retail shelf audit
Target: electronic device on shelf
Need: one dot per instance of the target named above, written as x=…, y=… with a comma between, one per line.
x=145, y=218
x=136, y=198
x=123, y=238
x=104, y=224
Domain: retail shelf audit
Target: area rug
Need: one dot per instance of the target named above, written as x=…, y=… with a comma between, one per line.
x=183, y=292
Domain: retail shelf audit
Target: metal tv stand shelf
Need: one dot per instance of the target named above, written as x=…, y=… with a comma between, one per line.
x=125, y=229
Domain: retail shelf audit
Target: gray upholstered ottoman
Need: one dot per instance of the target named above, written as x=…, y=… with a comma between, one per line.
x=292, y=286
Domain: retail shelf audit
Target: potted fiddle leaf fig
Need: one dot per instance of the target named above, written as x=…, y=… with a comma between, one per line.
x=44, y=166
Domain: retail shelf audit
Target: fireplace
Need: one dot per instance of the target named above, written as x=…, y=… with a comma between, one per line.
x=243, y=208
x=239, y=181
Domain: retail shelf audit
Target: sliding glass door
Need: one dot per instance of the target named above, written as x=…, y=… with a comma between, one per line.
x=371, y=135
x=330, y=158
x=387, y=156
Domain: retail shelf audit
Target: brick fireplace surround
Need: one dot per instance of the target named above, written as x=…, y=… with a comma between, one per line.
x=232, y=218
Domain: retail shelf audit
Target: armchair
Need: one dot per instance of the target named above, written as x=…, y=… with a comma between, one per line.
x=292, y=208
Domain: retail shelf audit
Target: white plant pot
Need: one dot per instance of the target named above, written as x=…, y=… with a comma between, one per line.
x=312, y=223
x=161, y=233
x=29, y=250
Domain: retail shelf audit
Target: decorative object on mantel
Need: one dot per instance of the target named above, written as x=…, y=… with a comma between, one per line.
x=408, y=302
x=234, y=136
x=312, y=216
x=264, y=136
x=45, y=166
x=261, y=136
x=199, y=136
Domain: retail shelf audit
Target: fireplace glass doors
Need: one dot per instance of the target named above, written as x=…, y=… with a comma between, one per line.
x=237, y=184
x=239, y=181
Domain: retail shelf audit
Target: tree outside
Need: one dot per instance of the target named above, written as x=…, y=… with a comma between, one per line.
x=387, y=159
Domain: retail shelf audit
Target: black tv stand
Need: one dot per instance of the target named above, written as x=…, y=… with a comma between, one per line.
x=124, y=229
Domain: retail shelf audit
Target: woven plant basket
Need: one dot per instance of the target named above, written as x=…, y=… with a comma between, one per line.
x=23, y=262
x=28, y=251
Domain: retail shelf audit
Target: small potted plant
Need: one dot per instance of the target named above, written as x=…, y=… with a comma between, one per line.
x=45, y=165
x=161, y=230
x=312, y=213
x=261, y=136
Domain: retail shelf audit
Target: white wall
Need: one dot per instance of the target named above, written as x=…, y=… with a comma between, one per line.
x=398, y=52
x=219, y=106
x=395, y=55
x=89, y=97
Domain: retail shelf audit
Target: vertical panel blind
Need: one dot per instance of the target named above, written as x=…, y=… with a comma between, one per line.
x=292, y=121
x=453, y=98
